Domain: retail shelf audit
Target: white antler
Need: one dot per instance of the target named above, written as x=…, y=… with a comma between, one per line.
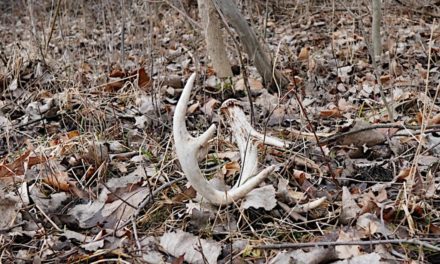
x=187, y=148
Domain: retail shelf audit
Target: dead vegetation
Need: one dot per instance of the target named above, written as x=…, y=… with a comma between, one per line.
x=89, y=171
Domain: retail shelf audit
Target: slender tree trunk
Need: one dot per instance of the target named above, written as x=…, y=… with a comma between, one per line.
x=255, y=51
x=214, y=38
x=376, y=39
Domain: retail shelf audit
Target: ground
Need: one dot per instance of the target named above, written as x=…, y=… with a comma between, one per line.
x=88, y=168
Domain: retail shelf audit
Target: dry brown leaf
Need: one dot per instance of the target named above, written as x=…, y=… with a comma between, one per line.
x=371, y=258
x=335, y=112
x=395, y=68
x=230, y=169
x=210, y=71
x=345, y=106
x=58, y=180
x=17, y=167
x=314, y=255
x=434, y=229
x=209, y=107
x=305, y=184
x=304, y=54
x=114, y=86
x=187, y=194
x=422, y=72
x=385, y=79
x=435, y=120
x=403, y=174
x=370, y=225
x=144, y=81
x=117, y=73
x=254, y=85
x=9, y=209
x=192, y=108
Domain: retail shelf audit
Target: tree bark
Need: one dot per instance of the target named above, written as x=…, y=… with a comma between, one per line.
x=214, y=38
x=255, y=51
x=376, y=39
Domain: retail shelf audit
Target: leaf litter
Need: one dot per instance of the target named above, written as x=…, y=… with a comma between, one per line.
x=88, y=170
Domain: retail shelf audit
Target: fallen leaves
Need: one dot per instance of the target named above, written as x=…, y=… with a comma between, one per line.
x=192, y=248
x=85, y=140
x=19, y=165
x=119, y=78
x=263, y=197
x=369, y=137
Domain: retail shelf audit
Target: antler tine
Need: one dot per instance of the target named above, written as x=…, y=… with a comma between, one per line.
x=180, y=114
x=187, y=148
x=247, y=138
x=243, y=124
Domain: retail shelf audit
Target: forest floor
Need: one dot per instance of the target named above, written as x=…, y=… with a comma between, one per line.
x=88, y=169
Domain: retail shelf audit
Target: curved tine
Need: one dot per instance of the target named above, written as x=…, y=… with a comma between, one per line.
x=249, y=162
x=244, y=136
x=251, y=183
x=247, y=145
x=187, y=148
x=180, y=116
x=239, y=114
x=182, y=107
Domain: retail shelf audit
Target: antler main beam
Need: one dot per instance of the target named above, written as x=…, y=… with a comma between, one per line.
x=187, y=148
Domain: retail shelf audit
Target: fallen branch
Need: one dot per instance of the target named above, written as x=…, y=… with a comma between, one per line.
x=433, y=128
x=349, y=243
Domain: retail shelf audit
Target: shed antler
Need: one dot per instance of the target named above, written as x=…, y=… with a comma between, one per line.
x=247, y=138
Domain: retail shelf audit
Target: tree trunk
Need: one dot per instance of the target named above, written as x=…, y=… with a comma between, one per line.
x=377, y=43
x=255, y=51
x=214, y=38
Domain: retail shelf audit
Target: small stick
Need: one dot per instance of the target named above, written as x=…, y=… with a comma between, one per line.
x=433, y=128
x=52, y=27
x=342, y=243
x=48, y=219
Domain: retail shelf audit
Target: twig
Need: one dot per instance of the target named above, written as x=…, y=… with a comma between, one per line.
x=117, y=196
x=427, y=110
x=123, y=35
x=48, y=219
x=375, y=66
x=52, y=27
x=136, y=237
x=155, y=192
x=200, y=250
x=191, y=21
x=421, y=12
x=7, y=229
x=433, y=128
x=343, y=243
x=318, y=142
